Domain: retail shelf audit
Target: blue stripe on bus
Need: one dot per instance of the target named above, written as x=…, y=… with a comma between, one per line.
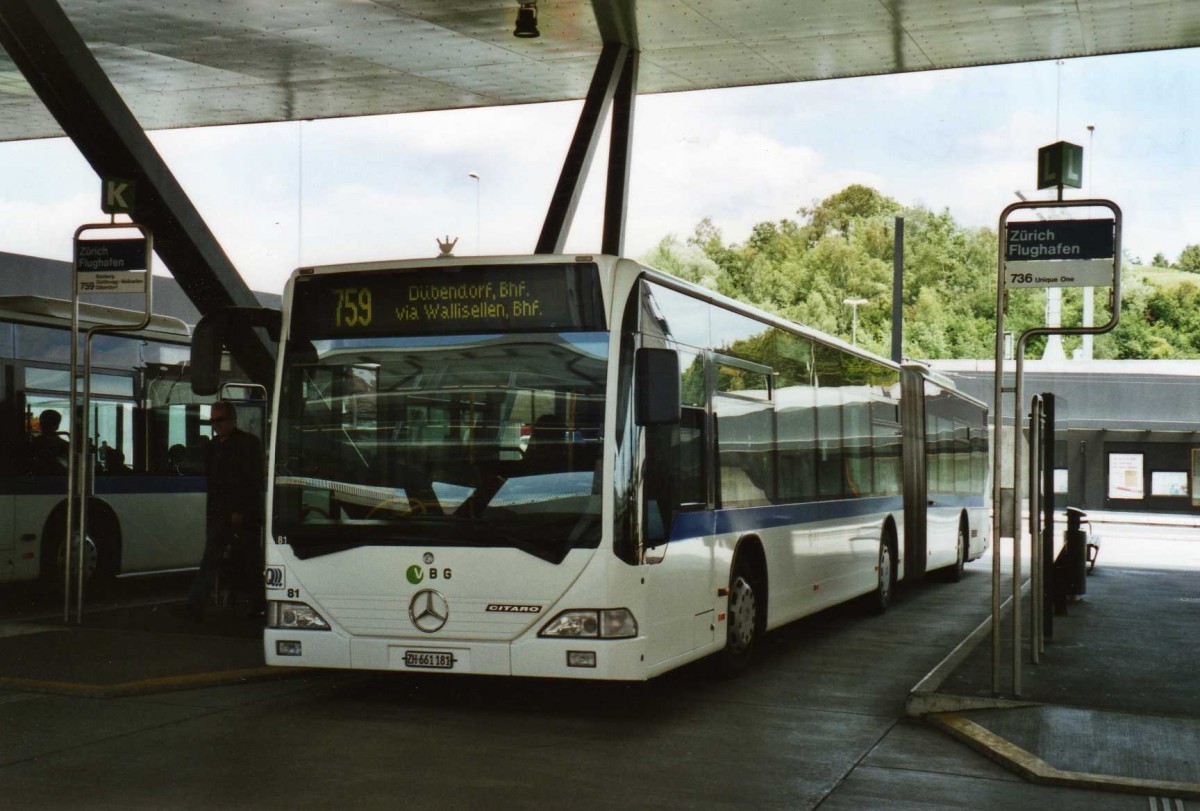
x=105, y=485
x=746, y=519
x=112, y=485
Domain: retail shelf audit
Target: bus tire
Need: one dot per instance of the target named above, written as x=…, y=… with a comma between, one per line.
x=955, y=572
x=885, y=583
x=100, y=554
x=744, y=617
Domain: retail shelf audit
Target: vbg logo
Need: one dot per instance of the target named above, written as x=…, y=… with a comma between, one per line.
x=415, y=574
x=274, y=577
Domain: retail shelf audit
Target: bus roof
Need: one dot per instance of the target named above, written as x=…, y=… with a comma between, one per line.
x=45, y=311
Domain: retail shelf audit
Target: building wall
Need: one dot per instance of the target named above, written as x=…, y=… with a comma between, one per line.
x=22, y=275
x=1110, y=411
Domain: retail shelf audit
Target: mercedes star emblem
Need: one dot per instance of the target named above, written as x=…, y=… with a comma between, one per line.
x=428, y=610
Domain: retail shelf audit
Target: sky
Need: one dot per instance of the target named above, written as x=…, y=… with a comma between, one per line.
x=280, y=196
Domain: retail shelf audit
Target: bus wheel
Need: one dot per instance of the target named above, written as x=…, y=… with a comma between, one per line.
x=743, y=622
x=54, y=560
x=955, y=572
x=885, y=586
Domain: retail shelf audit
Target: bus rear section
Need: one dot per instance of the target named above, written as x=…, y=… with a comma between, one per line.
x=947, y=473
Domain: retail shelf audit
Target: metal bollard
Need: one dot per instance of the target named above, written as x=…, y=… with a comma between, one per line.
x=1075, y=554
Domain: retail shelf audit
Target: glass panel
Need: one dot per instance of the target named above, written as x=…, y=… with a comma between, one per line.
x=744, y=451
x=676, y=474
x=981, y=461
x=673, y=316
x=115, y=352
x=44, y=344
x=47, y=379
x=178, y=428
x=50, y=345
x=887, y=446
x=481, y=440
x=1169, y=483
x=111, y=431
x=111, y=385
x=830, y=381
x=743, y=382
x=736, y=335
x=60, y=380
x=962, y=458
x=856, y=427
x=47, y=432
x=795, y=417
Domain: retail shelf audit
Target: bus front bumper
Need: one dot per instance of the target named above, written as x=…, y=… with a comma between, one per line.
x=616, y=659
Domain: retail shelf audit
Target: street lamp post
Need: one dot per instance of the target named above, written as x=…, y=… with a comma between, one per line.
x=854, y=302
x=475, y=176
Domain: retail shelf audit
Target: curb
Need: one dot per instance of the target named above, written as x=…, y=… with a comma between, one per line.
x=1036, y=770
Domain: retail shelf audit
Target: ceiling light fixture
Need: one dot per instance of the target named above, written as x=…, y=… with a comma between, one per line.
x=527, y=21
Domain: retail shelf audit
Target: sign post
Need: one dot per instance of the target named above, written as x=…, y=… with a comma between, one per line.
x=118, y=265
x=1042, y=253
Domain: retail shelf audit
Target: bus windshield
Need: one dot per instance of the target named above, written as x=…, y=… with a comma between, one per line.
x=479, y=440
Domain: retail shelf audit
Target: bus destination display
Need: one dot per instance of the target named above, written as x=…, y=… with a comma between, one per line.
x=449, y=300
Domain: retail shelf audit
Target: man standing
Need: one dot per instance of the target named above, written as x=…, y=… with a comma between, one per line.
x=234, y=466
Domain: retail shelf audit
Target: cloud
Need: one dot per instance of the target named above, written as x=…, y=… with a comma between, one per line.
x=47, y=229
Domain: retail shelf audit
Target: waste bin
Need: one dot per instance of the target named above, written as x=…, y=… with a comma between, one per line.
x=1074, y=563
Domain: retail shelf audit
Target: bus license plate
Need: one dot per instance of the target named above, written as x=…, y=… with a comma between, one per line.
x=440, y=660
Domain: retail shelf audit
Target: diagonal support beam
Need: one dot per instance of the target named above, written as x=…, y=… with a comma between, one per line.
x=56, y=62
x=583, y=146
x=620, y=151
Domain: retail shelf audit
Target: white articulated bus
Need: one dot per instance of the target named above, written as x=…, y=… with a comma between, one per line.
x=147, y=429
x=577, y=466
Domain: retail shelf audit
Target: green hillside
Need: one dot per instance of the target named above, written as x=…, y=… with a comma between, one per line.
x=841, y=248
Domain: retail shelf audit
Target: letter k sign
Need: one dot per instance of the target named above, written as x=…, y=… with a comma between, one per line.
x=117, y=197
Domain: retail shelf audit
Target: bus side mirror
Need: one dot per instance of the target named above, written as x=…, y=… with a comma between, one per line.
x=657, y=382
x=218, y=328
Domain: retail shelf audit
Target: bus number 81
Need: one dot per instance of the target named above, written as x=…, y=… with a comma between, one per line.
x=353, y=307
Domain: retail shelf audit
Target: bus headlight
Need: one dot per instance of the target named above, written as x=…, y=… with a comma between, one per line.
x=300, y=616
x=593, y=623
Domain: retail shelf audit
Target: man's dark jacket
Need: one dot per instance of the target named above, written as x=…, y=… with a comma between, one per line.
x=235, y=477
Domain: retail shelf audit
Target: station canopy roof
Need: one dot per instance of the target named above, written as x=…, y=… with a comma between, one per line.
x=183, y=63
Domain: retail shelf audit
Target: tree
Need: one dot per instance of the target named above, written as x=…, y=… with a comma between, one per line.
x=842, y=248
x=685, y=261
x=837, y=213
x=1159, y=261
x=1189, y=259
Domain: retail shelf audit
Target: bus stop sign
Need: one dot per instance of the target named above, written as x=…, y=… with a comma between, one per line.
x=1060, y=253
x=110, y=265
